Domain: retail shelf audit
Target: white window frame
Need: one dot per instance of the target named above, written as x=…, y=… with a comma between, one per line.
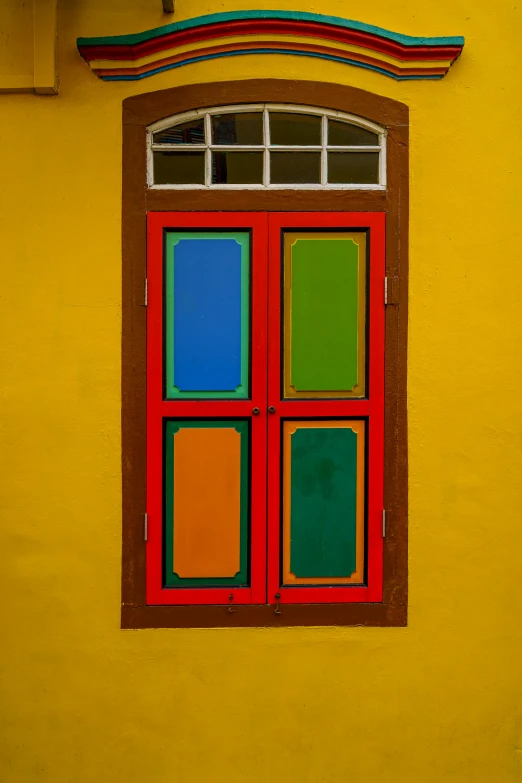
x=266, y=147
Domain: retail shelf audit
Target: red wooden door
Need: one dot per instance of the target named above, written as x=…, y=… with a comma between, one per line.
x=206, y=427
x=326, y=403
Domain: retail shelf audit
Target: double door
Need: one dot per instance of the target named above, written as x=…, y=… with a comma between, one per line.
x=265, y=407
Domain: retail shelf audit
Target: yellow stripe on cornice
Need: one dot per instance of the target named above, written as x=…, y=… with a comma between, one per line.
x=246, y=39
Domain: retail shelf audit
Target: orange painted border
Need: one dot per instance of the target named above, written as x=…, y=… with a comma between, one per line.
x=289, y=427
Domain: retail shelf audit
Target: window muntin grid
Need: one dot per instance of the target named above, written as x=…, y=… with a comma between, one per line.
x=207, y=148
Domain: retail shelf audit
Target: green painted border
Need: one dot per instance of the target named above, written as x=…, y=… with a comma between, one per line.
x=243, y=240
x=241, y=578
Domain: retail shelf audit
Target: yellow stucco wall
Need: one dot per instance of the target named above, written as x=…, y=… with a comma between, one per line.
x=440, y=700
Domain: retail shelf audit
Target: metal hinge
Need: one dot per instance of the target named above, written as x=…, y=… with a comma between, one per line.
x=391, y=290
x=146, y=293
x=384, y=523
x=145, y=527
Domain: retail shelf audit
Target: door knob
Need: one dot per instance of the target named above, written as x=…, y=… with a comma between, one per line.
x=255, y=411
x=271, y=409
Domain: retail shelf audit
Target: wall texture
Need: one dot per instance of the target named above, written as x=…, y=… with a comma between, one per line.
x=437, y=701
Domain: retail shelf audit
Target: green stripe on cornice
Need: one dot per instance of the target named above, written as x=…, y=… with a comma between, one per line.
x=300, y=16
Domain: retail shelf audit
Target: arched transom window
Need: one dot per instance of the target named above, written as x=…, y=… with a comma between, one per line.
x=266, y=146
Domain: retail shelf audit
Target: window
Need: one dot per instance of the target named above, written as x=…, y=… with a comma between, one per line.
x=264, y=381
x=267, y=146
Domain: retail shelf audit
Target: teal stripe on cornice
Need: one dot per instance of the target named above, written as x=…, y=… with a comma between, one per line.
x=300, y=16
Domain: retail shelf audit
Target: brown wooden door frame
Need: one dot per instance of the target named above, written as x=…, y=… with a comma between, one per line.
x=139, y=112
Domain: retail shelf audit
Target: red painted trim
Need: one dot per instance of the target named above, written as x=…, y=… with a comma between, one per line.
x=266, y=27
x=373, y=407
x=158, y=409
x=300, y=408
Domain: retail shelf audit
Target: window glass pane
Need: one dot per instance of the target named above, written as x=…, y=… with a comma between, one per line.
x=192, y=132
x=353, y=168
x=179, y=168
x=342, y=134
x=286, y=128
x=237, y=168
x=297, y=168
x=237, y=128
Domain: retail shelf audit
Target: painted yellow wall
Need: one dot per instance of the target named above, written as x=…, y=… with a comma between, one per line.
x=440, y=700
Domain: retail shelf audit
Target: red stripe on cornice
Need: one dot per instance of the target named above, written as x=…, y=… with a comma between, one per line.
x=275, y=45
x=258, y=27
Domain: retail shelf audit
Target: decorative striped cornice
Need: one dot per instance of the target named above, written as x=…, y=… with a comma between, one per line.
x=136, y=56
